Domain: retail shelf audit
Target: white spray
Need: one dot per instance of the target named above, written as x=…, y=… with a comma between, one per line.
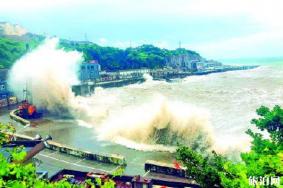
x=48, y=72
x=122, y=115
x=161, y=122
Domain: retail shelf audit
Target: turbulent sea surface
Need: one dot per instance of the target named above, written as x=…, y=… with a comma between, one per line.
x=145, y=121
x=224, y=103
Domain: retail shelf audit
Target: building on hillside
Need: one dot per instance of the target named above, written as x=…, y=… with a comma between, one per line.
x=6, y=97
x=89, y=71
x=182, y=62
x=4, y=93
x=200, y=65
x=208, y=64
x=212, y=64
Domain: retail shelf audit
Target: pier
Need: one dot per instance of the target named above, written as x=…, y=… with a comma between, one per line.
x=123, y=78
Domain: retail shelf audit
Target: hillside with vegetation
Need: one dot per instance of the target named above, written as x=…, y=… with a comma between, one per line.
x=14, y=47
x=110, y=58
x=113, y=59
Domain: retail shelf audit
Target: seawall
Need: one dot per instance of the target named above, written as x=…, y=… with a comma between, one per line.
x=13, y=115
x=52, y=145
x=111, y=158
x=87, y=88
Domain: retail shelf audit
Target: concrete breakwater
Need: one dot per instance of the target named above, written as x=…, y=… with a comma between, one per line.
x=153, y=169
x=110, y=159
x=88, y=88
x=105, y=158
x=13, y=115
x=117, y=79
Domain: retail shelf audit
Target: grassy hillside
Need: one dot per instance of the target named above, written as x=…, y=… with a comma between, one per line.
x=110, y=58
x=12, y=48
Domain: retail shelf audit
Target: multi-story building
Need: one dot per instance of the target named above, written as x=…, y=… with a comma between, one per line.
x=4, y=93
x=208, y=64
x=89, y=71
x=6, y=97
x=212, y=64
x=183, y=62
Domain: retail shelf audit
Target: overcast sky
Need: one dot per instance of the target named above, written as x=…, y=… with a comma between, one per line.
x=215, y=28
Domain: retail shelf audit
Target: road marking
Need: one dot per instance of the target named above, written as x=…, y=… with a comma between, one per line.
x=80, y=161
x=52, y=153
x=145, y=174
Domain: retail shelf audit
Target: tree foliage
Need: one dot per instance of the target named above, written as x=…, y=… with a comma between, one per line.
x=113, y=59
x=110, y=58
x=12, y=49
x=265, y=158
x=18, y=175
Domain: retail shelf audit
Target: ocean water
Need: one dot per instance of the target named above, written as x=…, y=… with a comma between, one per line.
x=143, y=121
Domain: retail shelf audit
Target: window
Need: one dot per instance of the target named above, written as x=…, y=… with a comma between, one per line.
x=2, y=87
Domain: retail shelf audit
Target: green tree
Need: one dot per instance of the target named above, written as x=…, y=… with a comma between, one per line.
x=204, y=169
x=265, y=158
x=17, y=175
x=12, y=49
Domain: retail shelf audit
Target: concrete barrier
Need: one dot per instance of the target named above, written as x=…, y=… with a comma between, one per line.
x=110, y=159
x=14, y=116
x=164, y=168
x=16, y=136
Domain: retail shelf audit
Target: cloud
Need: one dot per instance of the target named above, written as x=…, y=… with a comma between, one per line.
x=127, y=44
x=35, y=5
x=262, y=43
x=256, y=8
x=200, y=15
x=103, y=41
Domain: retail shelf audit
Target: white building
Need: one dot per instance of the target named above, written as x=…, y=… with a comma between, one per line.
x=89, y=71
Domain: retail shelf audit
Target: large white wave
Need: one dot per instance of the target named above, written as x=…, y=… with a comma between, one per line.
x=161, y=122
x=48, y=73
x=123, y=115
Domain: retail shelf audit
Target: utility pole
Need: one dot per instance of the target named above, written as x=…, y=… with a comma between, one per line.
x=86, y=39
x=26, y=91
x=180, y=44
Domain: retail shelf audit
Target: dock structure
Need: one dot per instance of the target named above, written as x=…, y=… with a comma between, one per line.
x=122, y=78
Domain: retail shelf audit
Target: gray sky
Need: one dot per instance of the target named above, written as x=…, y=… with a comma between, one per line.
x=215, y=28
